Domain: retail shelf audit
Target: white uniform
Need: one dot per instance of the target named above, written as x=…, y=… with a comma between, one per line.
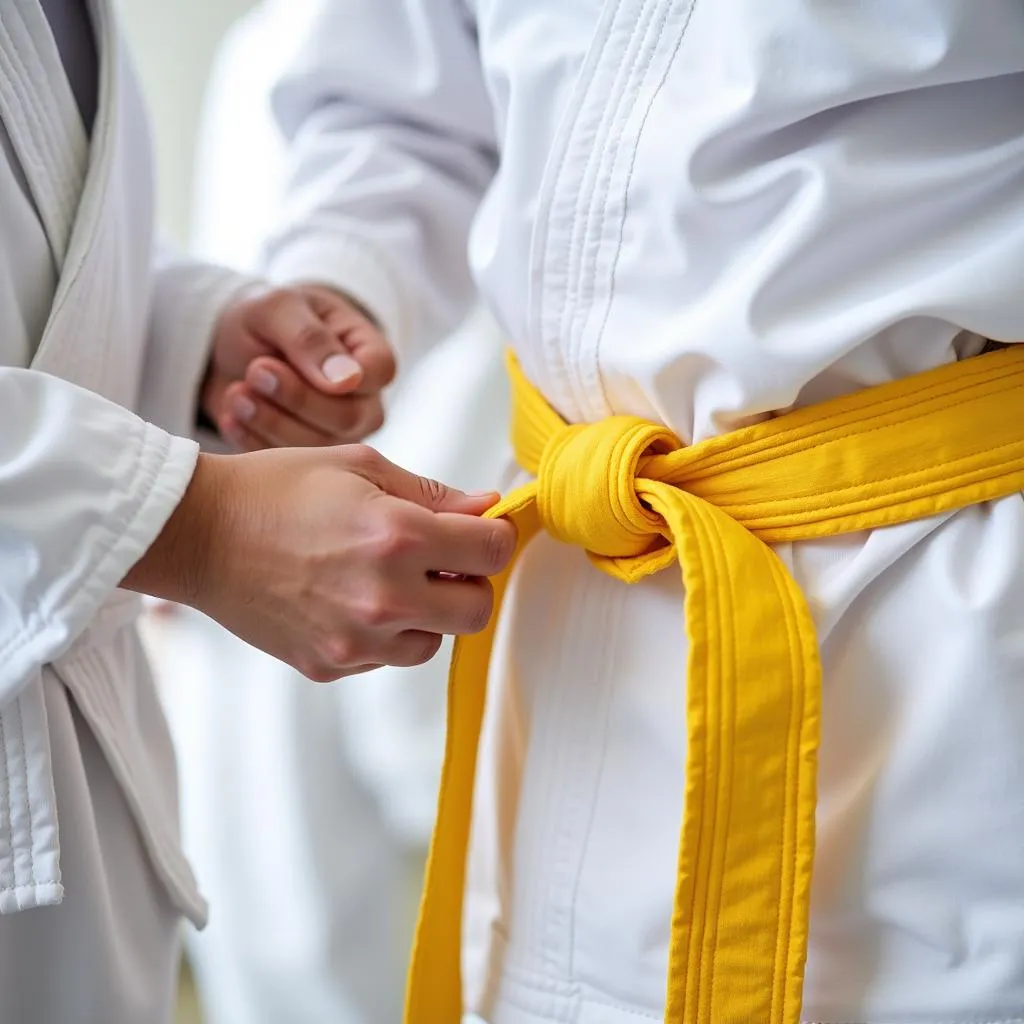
x=312, y=919
x=89, y=853
x=699, y=213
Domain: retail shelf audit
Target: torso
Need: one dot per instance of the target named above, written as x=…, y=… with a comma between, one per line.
x=731, y=209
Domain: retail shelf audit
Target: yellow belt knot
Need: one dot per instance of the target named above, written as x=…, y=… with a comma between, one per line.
x=586, y=486
x=636, y=501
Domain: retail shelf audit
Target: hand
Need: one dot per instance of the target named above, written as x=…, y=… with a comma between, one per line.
x=297, y=366
x=335, y=561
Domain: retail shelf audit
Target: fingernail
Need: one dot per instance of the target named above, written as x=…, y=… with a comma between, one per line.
x=263, y=381
x=243, y=408
x=339, y=368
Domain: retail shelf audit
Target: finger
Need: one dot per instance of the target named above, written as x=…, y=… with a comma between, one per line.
x=363, y=669
x=362, y=336
x=457, y=607
x=423, y=491
x=238, y=436
x=412, y=647
x=212, y=396
x=276, y=428
x=468, y=546
x=345, y=418
x=287, y=322
x=373, y=353
x=317, y=673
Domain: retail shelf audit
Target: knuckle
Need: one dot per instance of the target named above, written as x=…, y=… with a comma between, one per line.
x=498, y=546
x=480, y=612
x=361, y=458
x=316, y=671
x=339, y=651
x=394, y=536
x=433, y=490
x=426, y=650
x=271, y=303
x=310, y=337
x=378, y=608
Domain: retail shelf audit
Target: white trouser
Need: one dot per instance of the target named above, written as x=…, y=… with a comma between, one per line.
x=109, y=953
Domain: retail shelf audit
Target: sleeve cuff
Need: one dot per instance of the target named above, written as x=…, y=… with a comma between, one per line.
x=188, y=300
x=164, y=468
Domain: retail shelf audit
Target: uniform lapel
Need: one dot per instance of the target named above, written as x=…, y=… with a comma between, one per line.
x=42, y=120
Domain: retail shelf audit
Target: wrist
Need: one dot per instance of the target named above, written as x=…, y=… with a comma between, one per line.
x=178, y=565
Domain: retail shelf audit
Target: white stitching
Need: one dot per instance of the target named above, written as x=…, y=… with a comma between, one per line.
x=29, y=808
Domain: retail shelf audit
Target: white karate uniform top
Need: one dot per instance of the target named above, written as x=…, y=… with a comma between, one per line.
x=700, y=213
x=88, y=331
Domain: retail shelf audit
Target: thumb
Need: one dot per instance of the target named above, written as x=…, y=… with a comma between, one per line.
x=315, y=351
x=423, y=491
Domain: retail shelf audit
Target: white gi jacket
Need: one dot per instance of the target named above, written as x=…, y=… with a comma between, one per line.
x=700, y=213
x=87, y=332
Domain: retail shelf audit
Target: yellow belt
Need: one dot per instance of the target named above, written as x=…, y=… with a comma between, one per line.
x=636, y=500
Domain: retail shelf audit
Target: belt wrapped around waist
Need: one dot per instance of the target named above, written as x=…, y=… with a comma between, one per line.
x=636, y=500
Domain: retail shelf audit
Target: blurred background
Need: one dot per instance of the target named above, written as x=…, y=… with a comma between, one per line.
x=306, y=810
x=175, y=45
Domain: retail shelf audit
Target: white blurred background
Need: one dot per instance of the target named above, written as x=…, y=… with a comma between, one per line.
x=174, y=42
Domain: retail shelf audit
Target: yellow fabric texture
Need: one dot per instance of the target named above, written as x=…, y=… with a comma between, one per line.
x=627, y=492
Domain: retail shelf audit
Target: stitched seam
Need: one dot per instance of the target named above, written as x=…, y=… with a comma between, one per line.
x=107, y=114
x=599, y=339
x=25, y=113
x=944, y=1020
x=43, y=138
x=726, y=449
x=728, y=726
x=548, y=927
x=790, y=824
x=604, y=634
x=633, y=88
x=802, y=444
x=612, y=1004
x=29, y=805
x=46, y=133
x=701, y=539
x=620, y=86
x=719, y=822
x=551, y=192
x=995, y=466
x=5, y=804
x=33, y=887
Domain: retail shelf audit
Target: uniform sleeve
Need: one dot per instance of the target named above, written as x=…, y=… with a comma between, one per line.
x=85, y=488
x=391, y=147
x=188, y=299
